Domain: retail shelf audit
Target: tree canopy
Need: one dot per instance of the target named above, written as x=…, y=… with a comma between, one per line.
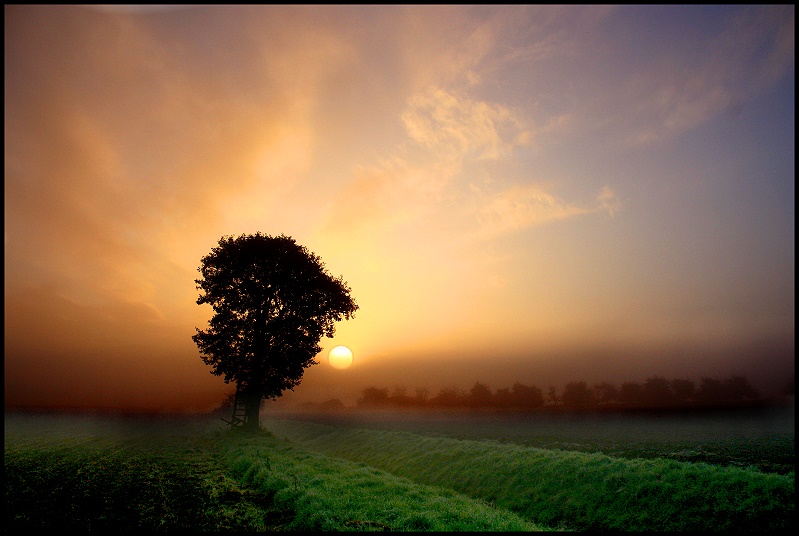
x=273, y=300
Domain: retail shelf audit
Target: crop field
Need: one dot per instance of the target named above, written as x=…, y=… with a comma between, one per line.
x=761, y=438
x=410, y=472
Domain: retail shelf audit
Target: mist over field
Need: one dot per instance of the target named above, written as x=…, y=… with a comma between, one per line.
x=449, y=268
x=768, y=367
x=514, y=193
x=395, y=470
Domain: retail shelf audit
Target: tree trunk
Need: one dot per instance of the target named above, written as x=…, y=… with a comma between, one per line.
x=252, y=412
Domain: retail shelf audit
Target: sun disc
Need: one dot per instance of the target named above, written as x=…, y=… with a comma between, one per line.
x=340, y=357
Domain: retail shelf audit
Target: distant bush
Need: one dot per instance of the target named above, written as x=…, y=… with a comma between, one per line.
x=577, y=395
x=372, y=396
x=655, y=392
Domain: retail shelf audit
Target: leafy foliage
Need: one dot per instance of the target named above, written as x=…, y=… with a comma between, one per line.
x=273, y=300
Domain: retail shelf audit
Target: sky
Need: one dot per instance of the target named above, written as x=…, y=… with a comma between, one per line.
x=539, y=194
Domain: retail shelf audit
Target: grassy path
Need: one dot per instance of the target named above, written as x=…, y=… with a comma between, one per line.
x=576, y=490
x=333, y=494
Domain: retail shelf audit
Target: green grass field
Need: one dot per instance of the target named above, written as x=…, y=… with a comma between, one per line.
x=92, y=473
x=762, y=438
x=106, y=474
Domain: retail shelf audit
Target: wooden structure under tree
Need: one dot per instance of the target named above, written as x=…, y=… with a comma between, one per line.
x=239, y=417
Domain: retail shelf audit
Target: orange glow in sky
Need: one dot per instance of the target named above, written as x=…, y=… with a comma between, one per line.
x=513, y=193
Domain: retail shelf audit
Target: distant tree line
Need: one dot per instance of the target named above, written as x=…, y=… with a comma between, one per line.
x=655, y=392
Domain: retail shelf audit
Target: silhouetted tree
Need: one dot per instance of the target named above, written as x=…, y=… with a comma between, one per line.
x=739, y=388
x=372, y=396
x=657, y=391
x=577, y=395
x=682, y=390
x=273, y=301
x=422, y=396
x=631, y=394
x=553, y=395
x=605, y=393
x=526, y=396
x=711, y=391
x=480, y=395
x=400, y=396
x=449, y=397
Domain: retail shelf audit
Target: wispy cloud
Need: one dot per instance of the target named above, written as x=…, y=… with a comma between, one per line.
x=127, y=160
x=455, y=126
x=446, y=129
x=524, y=206
x=752, y=53
x=425, y=152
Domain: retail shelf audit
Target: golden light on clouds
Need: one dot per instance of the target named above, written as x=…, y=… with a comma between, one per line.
x=457, y=126
x=520, y=207
x=490, y=181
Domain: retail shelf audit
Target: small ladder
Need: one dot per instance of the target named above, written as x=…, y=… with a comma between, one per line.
x=239, y=418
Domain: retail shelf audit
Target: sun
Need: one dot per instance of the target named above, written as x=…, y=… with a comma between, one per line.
x=340, y=357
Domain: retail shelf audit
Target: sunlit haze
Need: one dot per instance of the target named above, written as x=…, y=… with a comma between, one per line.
x=340, y=357
x=513, y=193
